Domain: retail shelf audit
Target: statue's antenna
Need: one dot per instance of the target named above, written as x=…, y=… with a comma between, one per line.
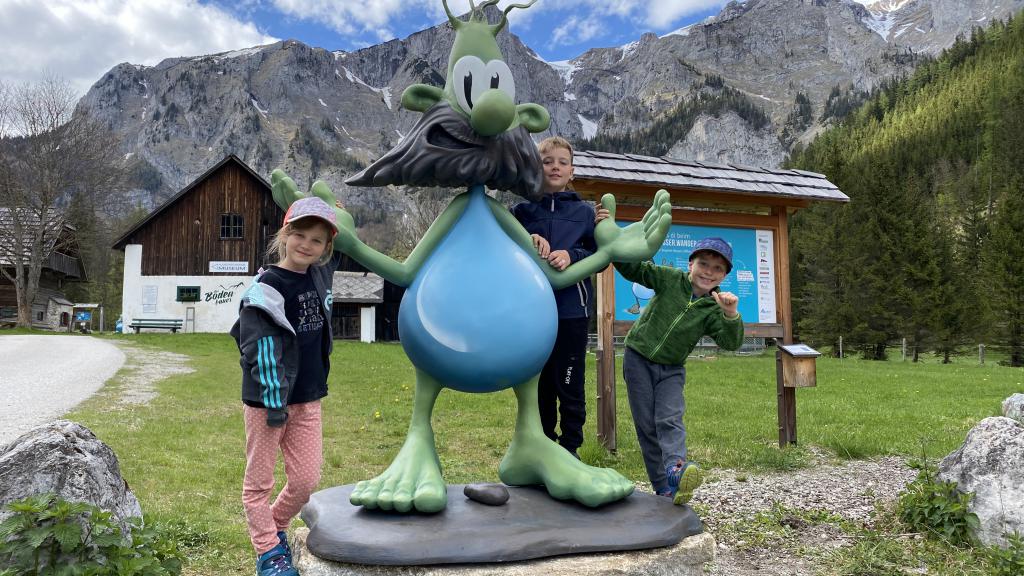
x=456, y=23
x=504, y=14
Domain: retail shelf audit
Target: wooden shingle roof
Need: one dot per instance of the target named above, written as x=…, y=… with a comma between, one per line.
x=357, y=288
x=734, y=178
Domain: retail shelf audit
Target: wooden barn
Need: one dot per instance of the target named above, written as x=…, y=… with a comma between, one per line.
x=188, y=262
x=51, y=310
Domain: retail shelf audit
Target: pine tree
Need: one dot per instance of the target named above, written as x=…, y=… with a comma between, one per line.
x=1005, y=266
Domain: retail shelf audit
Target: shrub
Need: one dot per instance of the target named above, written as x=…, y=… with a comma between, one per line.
x=48, y=536
x=1008, y=561
x=936, y=508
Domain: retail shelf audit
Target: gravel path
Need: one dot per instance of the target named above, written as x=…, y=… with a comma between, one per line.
x=45, y=376
x=850, y=490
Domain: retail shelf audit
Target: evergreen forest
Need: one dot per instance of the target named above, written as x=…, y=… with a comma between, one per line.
x=931, y=245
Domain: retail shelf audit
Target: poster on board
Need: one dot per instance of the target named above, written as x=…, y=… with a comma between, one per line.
x=752, y=277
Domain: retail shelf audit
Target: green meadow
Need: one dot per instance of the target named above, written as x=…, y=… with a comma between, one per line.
x=182, y=452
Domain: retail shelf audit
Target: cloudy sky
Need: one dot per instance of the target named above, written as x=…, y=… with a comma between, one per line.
x=79, y=40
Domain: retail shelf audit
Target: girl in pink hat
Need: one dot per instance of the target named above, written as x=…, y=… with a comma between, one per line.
x=284, y=336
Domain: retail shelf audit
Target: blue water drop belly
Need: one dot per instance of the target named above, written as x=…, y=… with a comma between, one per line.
x=480, y=315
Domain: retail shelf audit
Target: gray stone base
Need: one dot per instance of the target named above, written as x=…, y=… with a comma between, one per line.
x=530, y=525
x=687, y=558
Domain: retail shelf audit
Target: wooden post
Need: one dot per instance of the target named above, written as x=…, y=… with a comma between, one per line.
x=981, y=354
x=606, y=359
x=840, y=347
x=786, y=395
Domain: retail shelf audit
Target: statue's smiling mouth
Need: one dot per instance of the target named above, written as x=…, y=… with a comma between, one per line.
x=439, y=135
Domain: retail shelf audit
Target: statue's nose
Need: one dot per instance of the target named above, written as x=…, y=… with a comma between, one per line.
x=493, y=113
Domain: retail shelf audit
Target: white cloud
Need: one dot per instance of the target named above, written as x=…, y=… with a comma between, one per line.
x=589, y=18
x=344, y=16
x=664, y=14
x=378, y=17
x=575, y=31
x=657, y=14
x=79, y=40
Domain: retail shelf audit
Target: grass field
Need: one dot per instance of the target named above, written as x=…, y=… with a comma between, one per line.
x=182, y=453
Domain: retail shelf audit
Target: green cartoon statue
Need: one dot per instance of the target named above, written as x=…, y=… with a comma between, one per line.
x=479, y=313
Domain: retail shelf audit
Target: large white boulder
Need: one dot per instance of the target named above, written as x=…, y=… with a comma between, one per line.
x=991, y=465
x=65, y=458
x=1013, y=407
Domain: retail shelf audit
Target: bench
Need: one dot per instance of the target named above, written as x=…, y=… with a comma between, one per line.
x=172, y=324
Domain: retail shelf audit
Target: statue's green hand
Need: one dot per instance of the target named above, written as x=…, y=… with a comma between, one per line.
x=285, y=192
x=321, y=190
x=283, y=189
x=640, y=240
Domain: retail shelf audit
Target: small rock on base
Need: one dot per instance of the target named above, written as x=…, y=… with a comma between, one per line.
x=490, y=494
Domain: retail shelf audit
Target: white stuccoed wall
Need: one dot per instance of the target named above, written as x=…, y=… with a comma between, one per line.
x=216, y=310
x=368, y=324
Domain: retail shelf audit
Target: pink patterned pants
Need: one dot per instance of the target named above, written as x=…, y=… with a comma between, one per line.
x=301, y=442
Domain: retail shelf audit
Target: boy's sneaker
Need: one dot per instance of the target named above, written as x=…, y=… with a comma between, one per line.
x=683, y=479
x=275, y=562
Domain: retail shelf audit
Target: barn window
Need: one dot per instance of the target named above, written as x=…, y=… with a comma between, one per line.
x=188, y=294
x=232, y=226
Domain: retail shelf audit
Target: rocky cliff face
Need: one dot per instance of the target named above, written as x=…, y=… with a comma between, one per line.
x=324, y=115
x=928, y=27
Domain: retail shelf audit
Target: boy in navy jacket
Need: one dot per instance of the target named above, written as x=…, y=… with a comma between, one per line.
x=562, y=227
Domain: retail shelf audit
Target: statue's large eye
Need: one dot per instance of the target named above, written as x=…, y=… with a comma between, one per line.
x=471, y=78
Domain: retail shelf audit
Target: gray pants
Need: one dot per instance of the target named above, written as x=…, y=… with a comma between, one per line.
x=656, y=401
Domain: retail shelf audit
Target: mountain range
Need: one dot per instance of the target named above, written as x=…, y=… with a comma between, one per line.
x=323, y=114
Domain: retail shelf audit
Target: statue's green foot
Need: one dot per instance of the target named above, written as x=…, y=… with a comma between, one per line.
x=412, y=481
x=534, y=459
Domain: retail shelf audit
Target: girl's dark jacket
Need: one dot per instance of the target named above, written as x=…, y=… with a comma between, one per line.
x=266, y=340
x=567, y=223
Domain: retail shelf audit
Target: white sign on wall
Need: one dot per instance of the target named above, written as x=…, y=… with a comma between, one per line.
x=149, y=299
x=765, y=277
x=232, y=267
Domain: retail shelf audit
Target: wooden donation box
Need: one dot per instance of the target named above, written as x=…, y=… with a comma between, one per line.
x=798, y=365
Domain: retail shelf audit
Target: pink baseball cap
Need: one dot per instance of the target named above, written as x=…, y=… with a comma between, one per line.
x=311, y=207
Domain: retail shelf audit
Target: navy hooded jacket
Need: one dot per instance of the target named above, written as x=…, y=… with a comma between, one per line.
x=567, y=223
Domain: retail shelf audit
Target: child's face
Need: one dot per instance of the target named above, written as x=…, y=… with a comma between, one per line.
x=305, y=247
x=557, y=169
x=707, y=270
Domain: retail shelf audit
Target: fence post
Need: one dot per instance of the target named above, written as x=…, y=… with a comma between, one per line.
x=904, y=349
x=981, y=354
x=840, y=347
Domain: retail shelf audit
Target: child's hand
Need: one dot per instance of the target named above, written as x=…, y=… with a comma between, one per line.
x=542, y=246
x=559, y=259
x=601, y=213
x=276, y=417
x=728, y=302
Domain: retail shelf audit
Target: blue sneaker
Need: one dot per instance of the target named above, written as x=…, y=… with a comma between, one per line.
x=275, y=562
x=683, y=479
x=283, y=537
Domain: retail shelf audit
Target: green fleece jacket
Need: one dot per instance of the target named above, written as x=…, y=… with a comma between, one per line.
x=673, y=322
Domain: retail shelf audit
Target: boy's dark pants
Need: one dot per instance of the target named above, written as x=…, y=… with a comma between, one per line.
x=656, y=400
x=560, y=390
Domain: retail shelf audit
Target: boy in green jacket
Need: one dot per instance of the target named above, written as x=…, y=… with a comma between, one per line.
x=686, y=306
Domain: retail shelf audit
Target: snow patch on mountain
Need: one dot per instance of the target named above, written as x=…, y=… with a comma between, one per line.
x=589, y=128
x=565, y=69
